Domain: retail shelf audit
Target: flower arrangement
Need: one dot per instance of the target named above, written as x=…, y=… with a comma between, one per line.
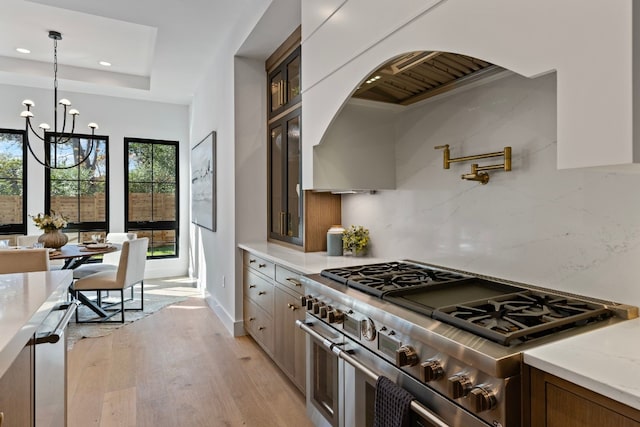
x=355, y=239
x=53, y=221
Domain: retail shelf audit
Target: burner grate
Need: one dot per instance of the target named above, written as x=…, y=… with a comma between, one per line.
x=377, y=279
x=522, y=317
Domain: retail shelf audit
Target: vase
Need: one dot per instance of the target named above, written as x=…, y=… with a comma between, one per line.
x=359, y=253
x=53, y=239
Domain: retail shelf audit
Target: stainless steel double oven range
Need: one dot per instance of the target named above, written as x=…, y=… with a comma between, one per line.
x=454, y=340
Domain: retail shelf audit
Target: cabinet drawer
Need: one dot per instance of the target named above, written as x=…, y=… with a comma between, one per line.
x=289, y=278
x=259, y=264
x=259, y=290
x=258, y=324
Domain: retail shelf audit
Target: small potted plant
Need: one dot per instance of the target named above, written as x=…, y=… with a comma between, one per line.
x=355, y=239
x=52, y=225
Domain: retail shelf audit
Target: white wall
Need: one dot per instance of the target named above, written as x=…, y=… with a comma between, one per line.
x=118, y=118
x=214, y=252
x=338, y=163
x=231, y=100
x=572, y=230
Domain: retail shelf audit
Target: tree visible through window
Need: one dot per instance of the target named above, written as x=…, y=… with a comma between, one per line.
x=152, y=196
x=13, y=170
x=80, y=193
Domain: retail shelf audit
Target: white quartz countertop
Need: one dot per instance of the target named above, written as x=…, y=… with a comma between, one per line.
x=606, y=361
x=305, y=262
x=25, y=301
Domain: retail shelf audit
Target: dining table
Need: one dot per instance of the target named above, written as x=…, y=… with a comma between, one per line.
x=74, y=255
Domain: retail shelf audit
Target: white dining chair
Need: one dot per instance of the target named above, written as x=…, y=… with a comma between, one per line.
x=109, y=260
x=23, y=260
x=129, y=273
x=28, y=240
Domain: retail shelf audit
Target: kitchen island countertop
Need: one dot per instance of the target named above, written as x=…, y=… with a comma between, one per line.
x=606, y=361
x=25, y=301
x=305, y=262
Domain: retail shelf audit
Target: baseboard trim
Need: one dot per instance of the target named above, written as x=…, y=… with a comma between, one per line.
x=234, y=327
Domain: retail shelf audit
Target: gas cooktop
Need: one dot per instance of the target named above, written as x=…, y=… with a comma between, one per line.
x=378, y=279
x=501, y=312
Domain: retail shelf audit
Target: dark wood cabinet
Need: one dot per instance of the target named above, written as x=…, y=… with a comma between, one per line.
x=284, y=84
x=555, y=402
x=295, y=217
x=285, y=172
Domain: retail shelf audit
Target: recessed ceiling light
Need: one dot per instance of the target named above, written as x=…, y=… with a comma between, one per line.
x=22, y=50
x=105, y=63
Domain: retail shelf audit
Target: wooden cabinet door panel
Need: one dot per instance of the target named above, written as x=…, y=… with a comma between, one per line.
x=566, y=409
x=289, y=341
x=555, y=402
x=16, y=391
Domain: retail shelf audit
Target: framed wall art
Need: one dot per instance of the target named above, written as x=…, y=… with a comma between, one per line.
x=203, y=183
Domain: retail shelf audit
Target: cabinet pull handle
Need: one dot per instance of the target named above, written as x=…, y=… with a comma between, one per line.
x=251, y=319
x=282, y=223
x=262, y=265
x=252, y=286
x=293, y=281
x=251, y=261
x=261, y=328
x=262, y=292
x=293, y=307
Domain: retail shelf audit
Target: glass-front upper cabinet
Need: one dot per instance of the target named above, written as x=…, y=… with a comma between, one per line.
x=285, y=212
x=284, y=84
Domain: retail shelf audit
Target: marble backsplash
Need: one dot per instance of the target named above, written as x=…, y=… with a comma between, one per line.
x=571, y=230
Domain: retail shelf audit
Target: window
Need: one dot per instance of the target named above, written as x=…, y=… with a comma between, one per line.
x=151, y=204
x=80, y=193
x=13, y=173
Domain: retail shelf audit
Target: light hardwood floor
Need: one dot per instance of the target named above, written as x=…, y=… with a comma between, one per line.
x=178, y=367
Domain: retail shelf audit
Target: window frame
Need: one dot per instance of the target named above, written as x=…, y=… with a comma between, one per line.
x=19, y=228
x=84, y=226
x=153, y=225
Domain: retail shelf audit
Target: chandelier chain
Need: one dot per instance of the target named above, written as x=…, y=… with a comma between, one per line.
x=57, y=138
x=55, y=64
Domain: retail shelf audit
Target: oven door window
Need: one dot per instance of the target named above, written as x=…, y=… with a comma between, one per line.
x=325, y=382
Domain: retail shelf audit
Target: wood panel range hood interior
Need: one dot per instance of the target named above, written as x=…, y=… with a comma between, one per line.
x=417, y=76
x=357, y=153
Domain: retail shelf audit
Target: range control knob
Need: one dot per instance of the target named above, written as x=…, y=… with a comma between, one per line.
x=316, y=307
x=482, y=399
x=406, y=356
x=303, y=300
x=431, y=370
x=323, y=312
x=310, y=302
x=459, y=386
x=368, y=329
x=335, y=316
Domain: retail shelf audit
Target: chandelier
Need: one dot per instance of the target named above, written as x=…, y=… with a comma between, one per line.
x=59, y=138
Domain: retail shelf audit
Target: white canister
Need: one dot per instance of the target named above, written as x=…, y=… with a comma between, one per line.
x=334, y=240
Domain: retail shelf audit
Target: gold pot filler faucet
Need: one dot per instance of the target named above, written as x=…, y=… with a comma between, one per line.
x=477, y=172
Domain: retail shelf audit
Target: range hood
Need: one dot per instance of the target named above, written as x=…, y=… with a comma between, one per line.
x=420, y=75
x=357, y=151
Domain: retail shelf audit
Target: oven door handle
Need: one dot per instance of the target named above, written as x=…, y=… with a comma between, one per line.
x=55, y=335
x=417, y=407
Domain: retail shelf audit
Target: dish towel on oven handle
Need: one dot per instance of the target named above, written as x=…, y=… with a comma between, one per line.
x=392, y=405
